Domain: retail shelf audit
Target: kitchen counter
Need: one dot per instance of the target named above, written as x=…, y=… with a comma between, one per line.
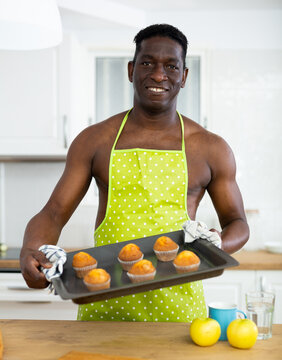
x=8, y=158
x=257, y=260
x=249, y=260
x=9, y=260
x=48, y=340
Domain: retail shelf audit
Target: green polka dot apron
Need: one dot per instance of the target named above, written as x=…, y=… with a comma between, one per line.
x=147, y=195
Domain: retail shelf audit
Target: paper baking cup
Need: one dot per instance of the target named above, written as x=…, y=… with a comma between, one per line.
x=185, y=269
x=126, y=265
x=82, y=271
x=140, y=278
x=95, y=287
x=166, y=255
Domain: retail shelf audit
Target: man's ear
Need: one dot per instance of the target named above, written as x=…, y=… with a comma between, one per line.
x=184, y=77
x=130, y=68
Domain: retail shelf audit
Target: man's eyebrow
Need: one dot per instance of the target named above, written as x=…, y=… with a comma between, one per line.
x=149, y=57
x=173, y=59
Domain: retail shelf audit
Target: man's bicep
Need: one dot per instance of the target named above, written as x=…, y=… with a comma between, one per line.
x=72, y=185
x=227, y=200
x=223, y=188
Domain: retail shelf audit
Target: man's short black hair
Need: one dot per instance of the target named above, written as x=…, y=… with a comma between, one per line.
x=163, y=30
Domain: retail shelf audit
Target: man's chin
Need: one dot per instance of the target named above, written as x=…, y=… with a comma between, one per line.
x=156, y=106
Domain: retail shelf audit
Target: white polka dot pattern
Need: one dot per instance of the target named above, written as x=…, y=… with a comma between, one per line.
x=147, y=196
x=141, y=204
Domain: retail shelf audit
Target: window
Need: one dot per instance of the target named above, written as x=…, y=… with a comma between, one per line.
x=114, y=92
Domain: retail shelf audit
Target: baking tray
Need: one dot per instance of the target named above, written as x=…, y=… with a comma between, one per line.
x=213, y=263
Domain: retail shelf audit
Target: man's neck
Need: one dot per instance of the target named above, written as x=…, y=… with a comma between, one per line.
x=155, y=120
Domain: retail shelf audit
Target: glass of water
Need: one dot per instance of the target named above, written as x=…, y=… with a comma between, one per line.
x=260, y=308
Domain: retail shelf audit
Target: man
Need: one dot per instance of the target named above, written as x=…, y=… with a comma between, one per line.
x=141, y=161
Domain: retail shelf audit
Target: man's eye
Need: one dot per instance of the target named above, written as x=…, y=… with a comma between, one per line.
x=172, y=67
x=146, y=63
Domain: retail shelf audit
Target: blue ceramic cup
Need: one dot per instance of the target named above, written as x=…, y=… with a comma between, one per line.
x=224, y=313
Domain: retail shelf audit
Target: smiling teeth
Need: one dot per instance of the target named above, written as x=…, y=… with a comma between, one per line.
x=156, y=89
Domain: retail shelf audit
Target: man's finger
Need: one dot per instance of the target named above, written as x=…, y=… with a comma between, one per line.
x=214, y=230
x=42, y=260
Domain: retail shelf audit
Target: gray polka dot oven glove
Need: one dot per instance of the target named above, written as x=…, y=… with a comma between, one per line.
x=197, y=229
x=57, y=256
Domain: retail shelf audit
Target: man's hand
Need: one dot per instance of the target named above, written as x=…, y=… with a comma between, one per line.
x=31, y=262
x=214, y=230
x=198, y=229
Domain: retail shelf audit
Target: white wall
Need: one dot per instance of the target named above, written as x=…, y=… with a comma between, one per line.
x=28, y=187
x=246, y=107
x=236, y=29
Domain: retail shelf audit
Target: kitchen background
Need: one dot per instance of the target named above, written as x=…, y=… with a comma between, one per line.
x=48, y=96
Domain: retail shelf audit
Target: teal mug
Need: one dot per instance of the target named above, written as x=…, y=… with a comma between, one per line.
x=224, y=313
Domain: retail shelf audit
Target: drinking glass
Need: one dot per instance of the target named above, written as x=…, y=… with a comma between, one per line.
x=260, y=308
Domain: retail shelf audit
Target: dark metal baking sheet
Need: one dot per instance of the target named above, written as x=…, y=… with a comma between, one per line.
x=213, y=263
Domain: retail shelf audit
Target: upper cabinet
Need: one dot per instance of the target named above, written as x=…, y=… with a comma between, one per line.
x=44, y=99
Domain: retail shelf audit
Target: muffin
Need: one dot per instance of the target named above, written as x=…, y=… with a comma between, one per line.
x=97, y=279
x=129, y=255
x=143, y=270
x=82, y=263
x=165, y=248
x=186, y=261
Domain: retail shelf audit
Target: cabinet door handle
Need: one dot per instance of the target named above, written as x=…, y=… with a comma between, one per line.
x=90, y=121
x=65, y=131
x=205, y=122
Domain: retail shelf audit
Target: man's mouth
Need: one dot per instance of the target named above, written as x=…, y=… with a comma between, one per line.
x=156, y=89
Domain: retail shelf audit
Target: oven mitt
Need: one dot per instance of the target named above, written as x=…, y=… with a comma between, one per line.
x=57, y=256
x=197, y=229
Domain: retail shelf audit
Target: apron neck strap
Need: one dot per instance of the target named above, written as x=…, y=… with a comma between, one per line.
x=120, y=128
x=182, y=130
x=126, y=117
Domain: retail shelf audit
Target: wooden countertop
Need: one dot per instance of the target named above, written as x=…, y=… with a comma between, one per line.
x=249, y=260
x=9, y=264
x=49, y=340
x=14, y=263
x=7, y=158
x=257, y=260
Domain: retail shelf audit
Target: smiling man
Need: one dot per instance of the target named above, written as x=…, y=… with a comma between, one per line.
x=141, y=160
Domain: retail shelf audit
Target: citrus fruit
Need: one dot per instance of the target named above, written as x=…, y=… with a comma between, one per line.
x=242, y=333
x=205, y=331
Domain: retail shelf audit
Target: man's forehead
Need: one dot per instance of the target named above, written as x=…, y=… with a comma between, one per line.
x=160, y=45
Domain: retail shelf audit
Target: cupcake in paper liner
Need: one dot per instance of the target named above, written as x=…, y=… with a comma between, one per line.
x=143, y=270
x=186, y=261
x=165, y=248
x=129, y=255
x=97, y=279
x=82, y=263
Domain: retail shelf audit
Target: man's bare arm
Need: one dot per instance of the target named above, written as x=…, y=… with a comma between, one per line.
x=46, y=226
x=226, y=196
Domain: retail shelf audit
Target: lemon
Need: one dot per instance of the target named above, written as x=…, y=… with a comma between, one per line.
x=242, y=333
x=205, y=331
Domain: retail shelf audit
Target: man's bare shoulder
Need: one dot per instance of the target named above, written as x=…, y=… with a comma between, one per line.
x=103, y=130
x=210, y=145
x=97, y=135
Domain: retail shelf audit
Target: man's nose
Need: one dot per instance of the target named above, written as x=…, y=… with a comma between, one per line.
x=159, y=74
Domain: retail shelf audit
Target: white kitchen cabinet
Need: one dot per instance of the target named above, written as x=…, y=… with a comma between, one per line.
x=229, y=287
x=232, y=286
x=29, y=110
x=17, y=301
x=44, y=98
